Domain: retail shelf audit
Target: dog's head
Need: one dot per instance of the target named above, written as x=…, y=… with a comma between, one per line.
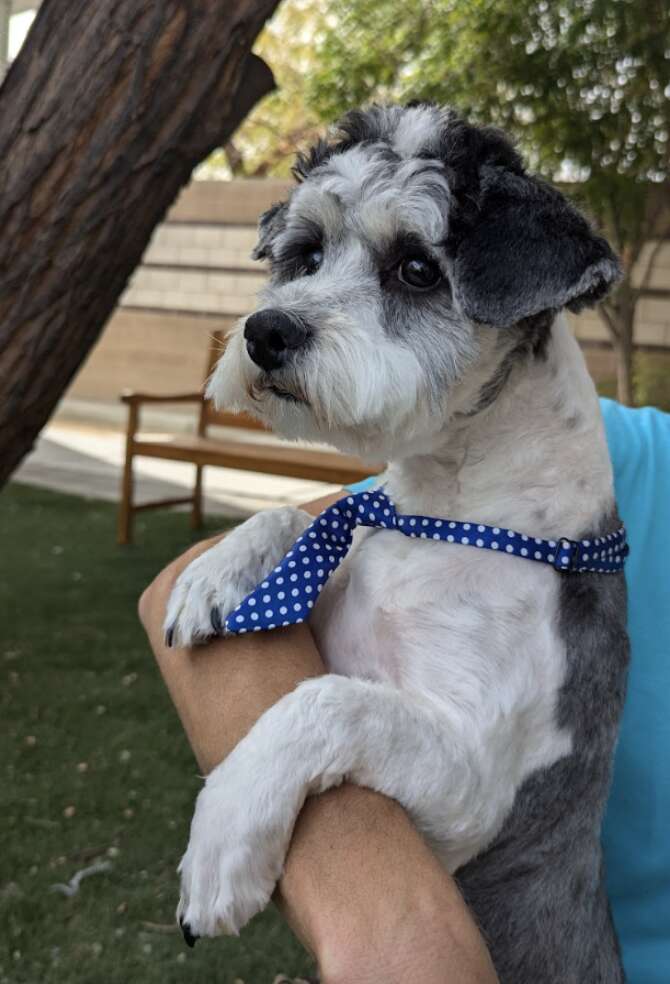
x=412, y=260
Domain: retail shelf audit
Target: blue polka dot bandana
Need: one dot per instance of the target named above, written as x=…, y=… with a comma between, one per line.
x=289, y=591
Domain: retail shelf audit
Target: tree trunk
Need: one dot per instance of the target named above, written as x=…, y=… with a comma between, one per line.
x=624, y=350
x=618, y=313
x=103, y=116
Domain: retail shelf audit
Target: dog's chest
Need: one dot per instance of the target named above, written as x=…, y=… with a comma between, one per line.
x=468, y=628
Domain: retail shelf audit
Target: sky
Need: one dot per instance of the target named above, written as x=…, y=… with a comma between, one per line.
x=19, y=26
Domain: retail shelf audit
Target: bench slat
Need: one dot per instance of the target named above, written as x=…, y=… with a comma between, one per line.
x=275, y=459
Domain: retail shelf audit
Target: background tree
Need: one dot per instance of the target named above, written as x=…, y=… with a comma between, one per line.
x=103, y=116
x=583, y=84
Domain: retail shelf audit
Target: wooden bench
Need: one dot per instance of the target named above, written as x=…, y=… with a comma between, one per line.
x=202, y=450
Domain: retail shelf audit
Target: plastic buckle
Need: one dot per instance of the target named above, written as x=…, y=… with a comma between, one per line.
x=567, y=555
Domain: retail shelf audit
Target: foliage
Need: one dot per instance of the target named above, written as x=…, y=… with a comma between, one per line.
x=95, y=764
x=584, y=84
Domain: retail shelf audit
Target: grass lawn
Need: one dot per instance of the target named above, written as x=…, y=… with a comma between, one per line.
x=94, y=762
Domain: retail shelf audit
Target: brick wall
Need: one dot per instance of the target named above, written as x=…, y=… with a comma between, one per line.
x=197, y=276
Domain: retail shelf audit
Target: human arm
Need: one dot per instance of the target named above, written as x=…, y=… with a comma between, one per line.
x=360, y=887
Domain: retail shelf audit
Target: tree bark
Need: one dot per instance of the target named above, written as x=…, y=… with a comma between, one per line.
x=624, y=350
x=103, y=116
x=618, y=313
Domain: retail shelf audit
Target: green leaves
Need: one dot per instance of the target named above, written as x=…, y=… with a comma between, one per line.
x=584, y=85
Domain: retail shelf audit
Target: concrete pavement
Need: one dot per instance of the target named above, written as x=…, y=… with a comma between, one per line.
x=86, y=460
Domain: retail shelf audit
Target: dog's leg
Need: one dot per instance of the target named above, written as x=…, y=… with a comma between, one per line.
x=327, y=730
x=217, y=581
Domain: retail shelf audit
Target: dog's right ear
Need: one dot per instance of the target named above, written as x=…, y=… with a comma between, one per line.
x=270, y=224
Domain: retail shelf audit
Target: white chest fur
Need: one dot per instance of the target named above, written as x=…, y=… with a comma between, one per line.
x=470, y=631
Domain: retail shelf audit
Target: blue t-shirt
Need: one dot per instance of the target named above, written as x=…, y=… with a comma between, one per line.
x=636, y=833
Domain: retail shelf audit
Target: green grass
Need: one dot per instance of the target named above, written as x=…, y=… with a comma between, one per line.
x=95, y=765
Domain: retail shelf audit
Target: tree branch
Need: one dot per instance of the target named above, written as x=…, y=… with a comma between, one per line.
x=621, y=238
x=653, y=256
x=610, y=320
x=234, y=158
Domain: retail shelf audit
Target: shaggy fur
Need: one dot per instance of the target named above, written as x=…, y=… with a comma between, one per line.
x=480, y=691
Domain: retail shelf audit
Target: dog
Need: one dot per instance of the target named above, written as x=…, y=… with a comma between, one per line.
x=415, y=314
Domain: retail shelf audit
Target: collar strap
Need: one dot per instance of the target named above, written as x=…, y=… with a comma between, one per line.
x=288, y=593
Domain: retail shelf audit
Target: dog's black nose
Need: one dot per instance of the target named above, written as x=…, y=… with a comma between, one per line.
x=271, y=335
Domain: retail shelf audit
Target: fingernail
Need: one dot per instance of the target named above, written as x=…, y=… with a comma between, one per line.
x=189, y=938
x=215, y=619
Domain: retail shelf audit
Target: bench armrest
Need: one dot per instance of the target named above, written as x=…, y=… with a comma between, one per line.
x=135, y=399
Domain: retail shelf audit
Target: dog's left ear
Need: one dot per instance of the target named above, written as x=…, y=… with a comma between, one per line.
x=270, y=225
x=526, y=249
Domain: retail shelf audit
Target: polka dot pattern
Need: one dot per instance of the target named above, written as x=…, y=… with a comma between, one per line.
x=289, y=592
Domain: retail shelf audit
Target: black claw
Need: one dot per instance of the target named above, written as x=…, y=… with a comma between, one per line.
x=189, y=938
x=215, y=619
x=169, y=637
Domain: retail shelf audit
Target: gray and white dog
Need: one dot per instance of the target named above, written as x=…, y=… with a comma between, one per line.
x=414, y=315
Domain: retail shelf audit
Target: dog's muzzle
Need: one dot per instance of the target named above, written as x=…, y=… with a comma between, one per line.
x=272, y=336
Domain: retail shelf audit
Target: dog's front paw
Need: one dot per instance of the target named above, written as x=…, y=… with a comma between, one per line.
x=232, y=863
x=210, y=587
x=219, y=579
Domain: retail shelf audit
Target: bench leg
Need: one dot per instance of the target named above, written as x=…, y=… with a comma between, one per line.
x=125, y=518
x=196, y=512
x=124, y=534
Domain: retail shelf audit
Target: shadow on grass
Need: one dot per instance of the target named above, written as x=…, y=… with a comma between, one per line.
x=95, y=763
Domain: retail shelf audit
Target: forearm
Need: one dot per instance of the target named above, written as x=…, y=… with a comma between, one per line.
x=221, y=689
x=360, y=887
x=363, y=890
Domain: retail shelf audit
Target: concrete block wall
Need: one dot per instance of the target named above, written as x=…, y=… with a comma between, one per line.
x=197, y=276
x=191, y=244
x=199, y=259
x=183, y=287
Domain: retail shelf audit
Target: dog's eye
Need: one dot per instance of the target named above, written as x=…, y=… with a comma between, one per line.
x=419, y=273
x=312, y=260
